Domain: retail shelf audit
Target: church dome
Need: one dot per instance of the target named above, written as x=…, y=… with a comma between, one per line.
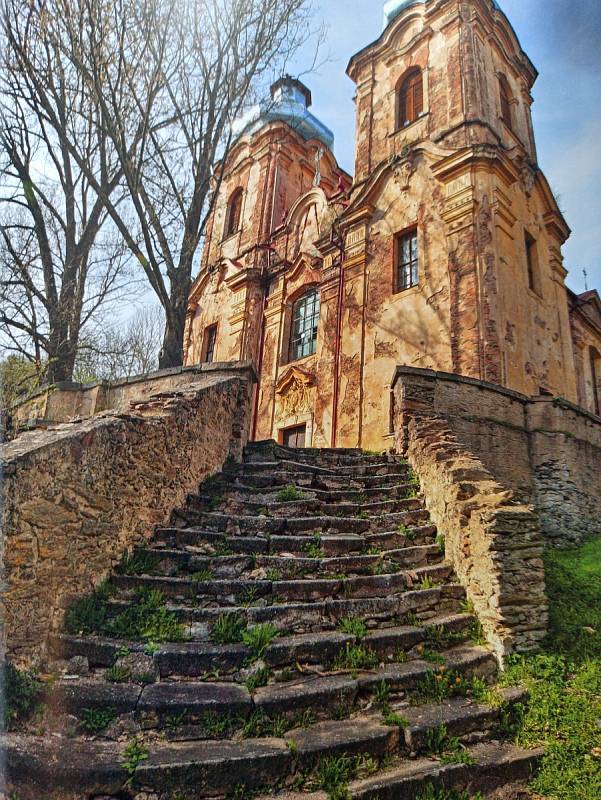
x=290, y=102
x=393, y=8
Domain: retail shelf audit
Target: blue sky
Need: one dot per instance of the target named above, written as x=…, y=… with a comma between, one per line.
x=562, y=39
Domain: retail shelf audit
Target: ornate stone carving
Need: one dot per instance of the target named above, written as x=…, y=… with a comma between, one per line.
x=294, y=394
x=527, y=179
x=404, y=170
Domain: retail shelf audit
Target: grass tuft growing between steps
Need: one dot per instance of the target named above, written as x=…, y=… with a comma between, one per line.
x=564, y=712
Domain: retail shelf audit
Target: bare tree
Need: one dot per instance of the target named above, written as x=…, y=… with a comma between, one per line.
x=60, y=257
x=108, y=353
x=168, y=79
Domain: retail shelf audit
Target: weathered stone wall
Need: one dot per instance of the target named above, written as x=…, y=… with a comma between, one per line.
x=545, y=450
x=79, y=495
x=493, y=540
x=62, y=401
x=565, y=452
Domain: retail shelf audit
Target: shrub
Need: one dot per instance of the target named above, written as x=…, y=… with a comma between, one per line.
x=22, y=691
x=228, y=629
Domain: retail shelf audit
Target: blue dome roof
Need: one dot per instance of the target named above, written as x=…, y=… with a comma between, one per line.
x=393, y=8
x=290, y=101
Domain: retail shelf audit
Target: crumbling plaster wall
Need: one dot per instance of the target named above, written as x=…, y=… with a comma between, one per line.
x=77, y=496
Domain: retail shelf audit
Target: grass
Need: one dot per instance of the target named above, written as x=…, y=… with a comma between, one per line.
x=96, y=720
x=290, y=493
x=22, y=691
x=259, y=724
x=89, y=614
x=432, y=793
x=147, y=619
x=314, y=549
x=228, y=629
x=258, y=638
x=138, y=562
x=564, y=680
x=134, y=754
x=257, y=679
x=353, y=626
x=355, y=657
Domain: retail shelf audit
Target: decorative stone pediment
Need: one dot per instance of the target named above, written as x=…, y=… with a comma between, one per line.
x=294, y=392
x=404, y=169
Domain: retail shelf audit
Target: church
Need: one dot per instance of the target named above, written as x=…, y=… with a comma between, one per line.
x=443, y=251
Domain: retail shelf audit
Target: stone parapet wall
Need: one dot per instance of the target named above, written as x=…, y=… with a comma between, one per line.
x=63, y=401
x=77, y=496
x=493, y=541
x=545, y=449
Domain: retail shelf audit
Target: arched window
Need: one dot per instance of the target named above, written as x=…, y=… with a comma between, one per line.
x=505, y=93
x=234, y=212
x=410, y=98
x=303, y=328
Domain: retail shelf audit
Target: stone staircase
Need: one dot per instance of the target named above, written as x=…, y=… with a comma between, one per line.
x=296, y=633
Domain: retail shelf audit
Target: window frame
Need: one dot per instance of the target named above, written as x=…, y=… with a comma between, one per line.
x=405, y=98
x=413, y=263
x=506, y=100
x=297, y=333
x=233, y=215
x=209, y=342
x=532, y=263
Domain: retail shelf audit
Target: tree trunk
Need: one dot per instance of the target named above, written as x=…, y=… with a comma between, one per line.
x=172, y=352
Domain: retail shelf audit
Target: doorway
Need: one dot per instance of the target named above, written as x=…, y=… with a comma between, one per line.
x=294, y=437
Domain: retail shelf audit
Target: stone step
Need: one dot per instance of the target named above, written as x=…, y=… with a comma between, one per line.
x=193, y=659
x=307, y=589
x=324, y=695
x=380, y=467
x=300, y=508
x=267, y=494
x=493, y=765
x=213, y=768
x=255, y=525
x=326, y=482
x=181, y=563
x=265, y=450
x=196, y=659
x=318, y=614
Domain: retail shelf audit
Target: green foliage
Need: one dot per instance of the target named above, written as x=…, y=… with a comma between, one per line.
x=117, y=674
x=259, y=678
x=426, y=583
x=148, y=619
x=89, y=614
x=333, y=775
x=22, y=691
x=203, y=575
x=221, y=549
x=314, y=549
x=217, y=725
x=356, y=657
x=139, y=562
x=438, y=685
x=382, y=696
x=134, y=754
x=258, y=638
x=18, y=378
x=273, y=575
x=228, y=629
x=290, y=493
x=95, y=720
x=260, y=724
x=564, y=681
x=394, y=720
x=440, y=543
x=432, y=793
x=353, y=626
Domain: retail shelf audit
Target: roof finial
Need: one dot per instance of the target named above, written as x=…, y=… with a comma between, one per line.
x=585, y=273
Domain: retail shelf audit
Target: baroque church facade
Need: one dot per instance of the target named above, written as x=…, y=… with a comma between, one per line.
x=443, y=251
